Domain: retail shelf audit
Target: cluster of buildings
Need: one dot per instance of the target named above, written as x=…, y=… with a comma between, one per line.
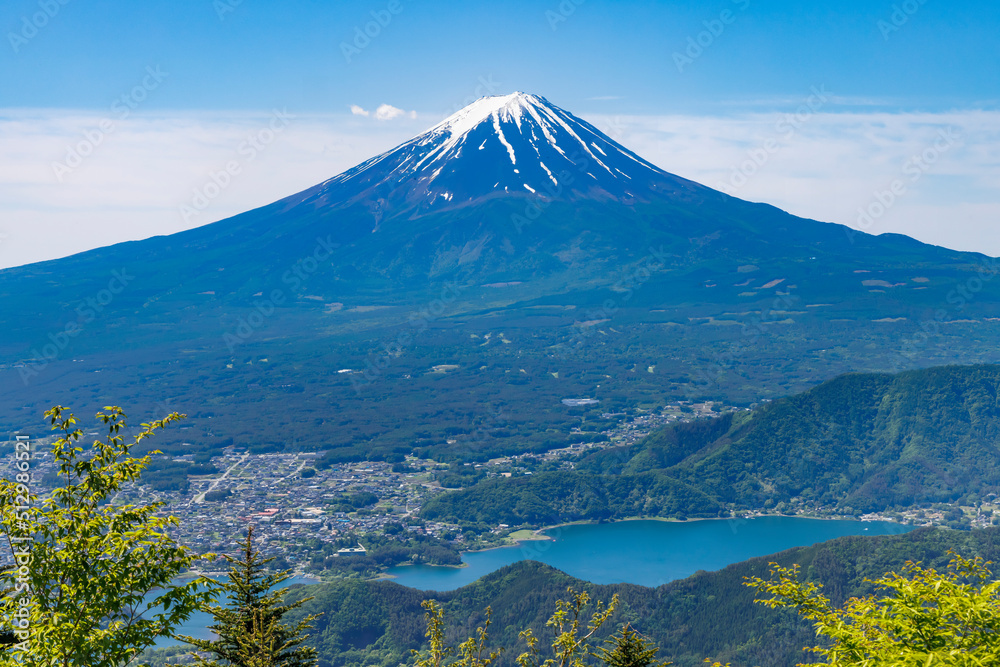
x=283, y=495
x=290, y=501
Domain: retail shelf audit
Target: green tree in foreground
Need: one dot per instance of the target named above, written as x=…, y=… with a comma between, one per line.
x=923, y=618
x=250, y=630
x=85, y=566
x=569, y=648
x=629, y=649
x=471, y=652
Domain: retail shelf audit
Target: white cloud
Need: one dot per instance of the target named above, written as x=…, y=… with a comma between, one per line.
x=383, y=112
x=389, y=112
x=138, y=176
x=827, y=166
x=135, y=180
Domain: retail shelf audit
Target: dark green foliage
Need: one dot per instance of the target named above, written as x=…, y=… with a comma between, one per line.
x=396, y=547
x=865, y=442
x=555, y=497
x=459, y=476
x=628, y=649
x=361, y=499
x=707, y=615
x=273, y=389
x=166, y=474
x=217, y=495
x=251, y=625
x=350, y=502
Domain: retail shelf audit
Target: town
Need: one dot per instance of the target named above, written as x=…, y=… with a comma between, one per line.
x=307, y=518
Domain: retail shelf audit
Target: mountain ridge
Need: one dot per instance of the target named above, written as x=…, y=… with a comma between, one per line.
x=858, y=443
x=735, y=291
x=379, y=622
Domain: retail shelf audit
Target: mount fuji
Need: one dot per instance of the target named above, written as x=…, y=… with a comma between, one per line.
x=498, y=147
x=541, y=260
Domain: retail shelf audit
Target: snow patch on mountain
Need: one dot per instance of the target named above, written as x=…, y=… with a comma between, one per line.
x=517, y=145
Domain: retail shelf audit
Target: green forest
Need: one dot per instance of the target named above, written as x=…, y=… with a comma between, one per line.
x=858, y=443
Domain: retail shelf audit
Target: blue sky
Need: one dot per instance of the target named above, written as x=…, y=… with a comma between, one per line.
x=255, y=54
x=693, y=86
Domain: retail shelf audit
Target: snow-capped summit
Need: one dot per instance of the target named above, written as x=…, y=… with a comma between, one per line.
x=503, y=145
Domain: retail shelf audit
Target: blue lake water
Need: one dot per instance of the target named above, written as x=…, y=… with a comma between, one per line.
x=197, y=625
x=649, y=553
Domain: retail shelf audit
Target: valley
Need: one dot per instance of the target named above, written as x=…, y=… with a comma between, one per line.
x=360, y=519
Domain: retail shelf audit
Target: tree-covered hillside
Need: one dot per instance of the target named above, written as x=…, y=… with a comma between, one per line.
x=559, y=496
x=859, y=442
x=706, y=615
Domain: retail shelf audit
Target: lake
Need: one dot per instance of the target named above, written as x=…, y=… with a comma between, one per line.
x=197, y=625
x=649, y=553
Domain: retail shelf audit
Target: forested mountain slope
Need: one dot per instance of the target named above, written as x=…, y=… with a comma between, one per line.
x=706, y=615
x=516, y=245
x=860, y=442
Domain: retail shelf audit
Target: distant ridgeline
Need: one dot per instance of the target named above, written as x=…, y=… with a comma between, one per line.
x=707, y=615
x=860, y=442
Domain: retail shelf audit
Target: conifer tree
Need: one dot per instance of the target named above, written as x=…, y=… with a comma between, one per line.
x=250, y=630
x=629, y=649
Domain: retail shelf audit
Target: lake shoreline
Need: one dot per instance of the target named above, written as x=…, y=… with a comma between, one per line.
x=538, y=535
x=540, y=532
x=584, y=549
